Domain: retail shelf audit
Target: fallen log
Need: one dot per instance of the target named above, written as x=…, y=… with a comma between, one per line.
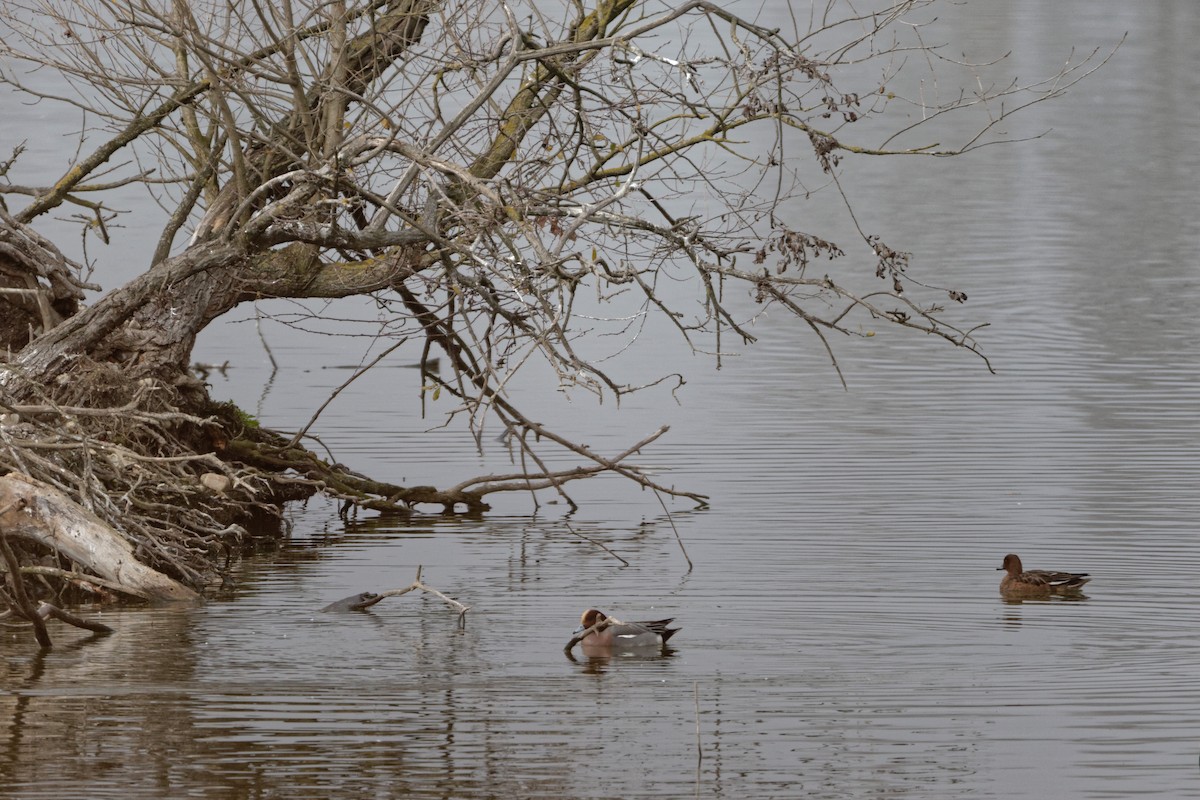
x=39, y=512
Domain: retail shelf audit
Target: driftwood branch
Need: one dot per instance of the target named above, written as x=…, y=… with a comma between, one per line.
x=40, y=512
x=80, y=580
x=364, y=600
x=420, y=585
x=47, y=610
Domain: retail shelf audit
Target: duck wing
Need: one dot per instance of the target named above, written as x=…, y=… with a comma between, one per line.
x=659, y=626
x=1057, y=580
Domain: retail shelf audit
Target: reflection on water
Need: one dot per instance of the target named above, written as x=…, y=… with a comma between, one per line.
x=1054, y=598
x=597, y=662
x=843, y=635
x=804, y=670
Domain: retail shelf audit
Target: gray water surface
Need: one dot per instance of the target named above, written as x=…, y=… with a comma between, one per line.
x=842, y=631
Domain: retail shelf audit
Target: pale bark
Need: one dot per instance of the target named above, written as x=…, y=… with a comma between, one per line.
x=52, y=519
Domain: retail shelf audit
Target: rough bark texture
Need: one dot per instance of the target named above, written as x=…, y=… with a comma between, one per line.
x=39, y=287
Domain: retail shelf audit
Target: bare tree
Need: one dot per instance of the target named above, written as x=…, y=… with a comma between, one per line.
x=505, y=180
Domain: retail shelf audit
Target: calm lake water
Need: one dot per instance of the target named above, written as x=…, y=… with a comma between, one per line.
x=842, y=631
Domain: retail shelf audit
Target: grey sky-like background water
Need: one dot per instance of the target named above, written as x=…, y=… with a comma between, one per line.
x=842, y=632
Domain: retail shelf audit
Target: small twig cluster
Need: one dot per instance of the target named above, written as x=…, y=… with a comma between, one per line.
x=421, y=586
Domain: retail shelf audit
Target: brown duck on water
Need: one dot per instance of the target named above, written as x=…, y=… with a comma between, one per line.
x=1021, y=582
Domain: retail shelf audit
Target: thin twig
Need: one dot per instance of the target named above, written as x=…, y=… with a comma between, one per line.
x=358, y=374
x=24, y=606
x=262, y=338
x=598, y=544
x=678, y=538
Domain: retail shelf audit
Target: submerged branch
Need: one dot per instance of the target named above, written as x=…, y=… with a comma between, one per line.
x=365, y=600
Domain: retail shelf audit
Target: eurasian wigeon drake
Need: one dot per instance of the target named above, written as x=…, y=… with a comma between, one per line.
x=611, y=634
x=1020, y=582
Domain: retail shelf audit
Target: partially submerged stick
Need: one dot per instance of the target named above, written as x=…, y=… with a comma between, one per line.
x=598, y=544
x=20, y=601
x=419, y=585
x=46, y=610
x=678, y=538
x=364, y=600
x=355, y=602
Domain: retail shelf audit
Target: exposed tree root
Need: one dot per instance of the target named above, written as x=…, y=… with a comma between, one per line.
x=162, y=479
